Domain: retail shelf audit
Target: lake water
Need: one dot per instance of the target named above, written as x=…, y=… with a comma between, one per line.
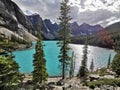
x=25, y=58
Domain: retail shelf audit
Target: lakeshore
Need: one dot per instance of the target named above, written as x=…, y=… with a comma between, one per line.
x=73, y=83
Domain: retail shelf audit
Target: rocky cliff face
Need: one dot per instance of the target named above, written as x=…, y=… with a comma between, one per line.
x=53, y=28
x=13, y=20
x=48, y=29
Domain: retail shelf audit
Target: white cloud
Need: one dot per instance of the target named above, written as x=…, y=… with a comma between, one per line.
x=97, y=11
x=46, y=8
x=109, y=21
x=111, y=5
x=74, y=2
x=89, y=11
x=28, y=12
x=112, y=20
x=88, y=2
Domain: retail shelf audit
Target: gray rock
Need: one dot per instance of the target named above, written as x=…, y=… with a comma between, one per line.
x=13, y=19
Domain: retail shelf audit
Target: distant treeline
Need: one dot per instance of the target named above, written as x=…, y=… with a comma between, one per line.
x=102, y=39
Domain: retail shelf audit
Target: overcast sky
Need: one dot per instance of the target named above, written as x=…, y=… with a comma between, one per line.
x=104, y=12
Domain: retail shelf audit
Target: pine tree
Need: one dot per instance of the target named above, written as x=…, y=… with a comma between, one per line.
x=72, y=66
x=116, y=64
x=108, y=65
x=92, y=66
x=83, y=71
x=64, y=36
x=39, y=63
x=117, y=45
x=9, y=73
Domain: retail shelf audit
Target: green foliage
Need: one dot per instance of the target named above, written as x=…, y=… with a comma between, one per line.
x=106, y=39
x=83, y=71
x=117, y=45
x=64, y=36
x=9, y=74
x=1, y=38
x=116, y=60
x=92, y=66
x=18, y=40
x=116, y=64
x=111, y=82
x=13, y=43
x=72, y=66
x=101, y=71
x=39, y=74
x=109, y=61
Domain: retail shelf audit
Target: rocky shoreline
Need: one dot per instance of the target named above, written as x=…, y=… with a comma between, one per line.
x=23, y=47
x=69, y=84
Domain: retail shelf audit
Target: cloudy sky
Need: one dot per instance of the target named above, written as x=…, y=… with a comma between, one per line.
x=104, y=12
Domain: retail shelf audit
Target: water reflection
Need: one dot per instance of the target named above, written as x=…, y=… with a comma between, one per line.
x=99, y=55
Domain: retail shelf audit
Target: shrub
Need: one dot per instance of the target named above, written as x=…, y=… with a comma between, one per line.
x=111, y=82
x=116, y=64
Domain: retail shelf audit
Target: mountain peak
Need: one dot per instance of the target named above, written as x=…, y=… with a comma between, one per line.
x=74, y=24
x=98, y=25
x=85, y=24
x=33, y=15
x=47, y=21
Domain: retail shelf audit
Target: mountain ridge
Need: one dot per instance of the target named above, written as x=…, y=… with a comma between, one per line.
x=104, y=38
x=13, y=19
x=52, y=28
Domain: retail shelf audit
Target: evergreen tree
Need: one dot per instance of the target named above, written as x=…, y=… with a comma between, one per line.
x=117, y=45
x=9, y=74
x=72, y=66
x=108, y=65
x=39, y=63
x=92, y=66
x=64, y=36
x=116, y=64
x=83, y=71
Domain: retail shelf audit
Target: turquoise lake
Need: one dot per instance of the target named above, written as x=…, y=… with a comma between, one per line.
x=25, y=57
